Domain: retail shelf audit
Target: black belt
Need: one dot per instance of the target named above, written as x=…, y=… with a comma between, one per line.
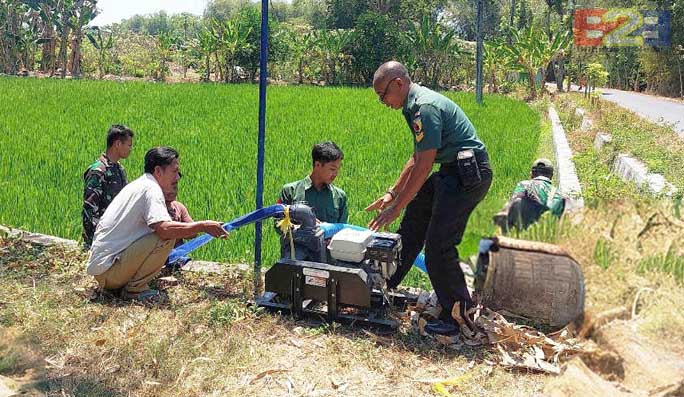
x=481, y=156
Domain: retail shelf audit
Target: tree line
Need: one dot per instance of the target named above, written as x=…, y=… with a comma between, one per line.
x=332, y=42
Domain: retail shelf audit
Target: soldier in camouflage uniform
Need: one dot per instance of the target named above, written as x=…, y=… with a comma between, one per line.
x=531, y=199
x=104, y=179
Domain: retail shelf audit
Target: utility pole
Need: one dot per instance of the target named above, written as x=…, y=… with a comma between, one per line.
x=478, y=57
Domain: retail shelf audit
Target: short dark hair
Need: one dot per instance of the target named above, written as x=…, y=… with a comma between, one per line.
x=542, y=167
x=159, y=156
x=326, y=152
x=118, y=132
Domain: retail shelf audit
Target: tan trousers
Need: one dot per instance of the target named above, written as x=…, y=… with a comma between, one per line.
x=137, y=265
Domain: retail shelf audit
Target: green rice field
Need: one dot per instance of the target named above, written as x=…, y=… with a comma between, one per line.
x=51, y=130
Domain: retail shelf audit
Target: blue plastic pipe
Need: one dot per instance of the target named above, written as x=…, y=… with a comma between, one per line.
x=252, y=217
x=329, y=230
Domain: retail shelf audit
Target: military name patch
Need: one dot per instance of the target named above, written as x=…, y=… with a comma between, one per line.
x=418, y=127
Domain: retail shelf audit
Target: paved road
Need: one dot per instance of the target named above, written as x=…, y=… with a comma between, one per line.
x=659, y=110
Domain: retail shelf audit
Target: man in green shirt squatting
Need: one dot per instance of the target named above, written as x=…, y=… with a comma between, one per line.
x=437, y=205
x=328, y=201
x=531, y=199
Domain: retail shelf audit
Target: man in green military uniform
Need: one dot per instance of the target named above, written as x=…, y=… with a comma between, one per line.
x=328, y=201
x=104, y=179
x=531, y=199
x=437, y=205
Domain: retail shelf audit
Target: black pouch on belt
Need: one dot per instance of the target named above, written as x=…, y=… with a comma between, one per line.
x=468, y=170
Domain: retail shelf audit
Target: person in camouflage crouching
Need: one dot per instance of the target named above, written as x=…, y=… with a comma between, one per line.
x=531, y=199
x=104, y=179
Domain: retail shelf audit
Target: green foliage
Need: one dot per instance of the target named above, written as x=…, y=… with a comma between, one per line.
x=496, y=62
x=377, y=41
x=604, y=253
x=431, y=44
x=342, y=14
x=531, y=52
x=227, y=312
x=596, y=76
x=213, y=127
x=103, y=41
x=670, y=262
x=332, y=47
x=548, y=229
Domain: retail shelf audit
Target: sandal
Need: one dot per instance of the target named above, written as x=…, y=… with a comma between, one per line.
x=149, y=295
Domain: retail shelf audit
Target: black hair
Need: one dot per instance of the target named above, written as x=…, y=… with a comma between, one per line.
x=326, y=152
x=542, y=171
x=118, y=132
x=159, y=156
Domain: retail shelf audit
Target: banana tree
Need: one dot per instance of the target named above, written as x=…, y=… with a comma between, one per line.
x=532, y=52
x=331, y=45
x=49, y=18
x=10, y=16
x=496, y=62
x=232, y=37
x=65, y=9
x=207, y=43
x=103, y=41
x=166, y=43
x=432, y=45
x=299, y=45
x=84, y=12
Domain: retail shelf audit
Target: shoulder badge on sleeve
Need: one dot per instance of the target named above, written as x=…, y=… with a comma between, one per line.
x=417, y=126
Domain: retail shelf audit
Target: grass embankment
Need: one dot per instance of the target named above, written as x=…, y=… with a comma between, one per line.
x=657, y=146
x=54, y=129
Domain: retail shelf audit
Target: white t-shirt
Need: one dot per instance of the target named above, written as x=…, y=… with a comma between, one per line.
x=127, y=219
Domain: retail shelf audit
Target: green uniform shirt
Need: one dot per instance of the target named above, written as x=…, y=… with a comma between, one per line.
x=541, y=190
x=436, y=122
x=329, y=204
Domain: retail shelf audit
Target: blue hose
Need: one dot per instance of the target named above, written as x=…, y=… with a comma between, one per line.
x=252, y=217
x=330, y=229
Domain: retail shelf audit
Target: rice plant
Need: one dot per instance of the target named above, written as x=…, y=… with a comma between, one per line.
x=50, y=131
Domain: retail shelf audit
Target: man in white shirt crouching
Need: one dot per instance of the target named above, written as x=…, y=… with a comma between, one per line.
x=136, y=234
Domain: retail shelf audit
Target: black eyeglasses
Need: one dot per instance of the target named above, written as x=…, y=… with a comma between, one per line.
x=382, y=97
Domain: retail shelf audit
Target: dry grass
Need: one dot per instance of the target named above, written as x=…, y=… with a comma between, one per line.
x=207, y=341
x=633, y=232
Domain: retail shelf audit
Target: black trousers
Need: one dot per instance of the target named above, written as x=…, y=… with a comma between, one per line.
x=436, y=218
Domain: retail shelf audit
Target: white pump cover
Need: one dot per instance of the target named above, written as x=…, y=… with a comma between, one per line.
x=350, y=245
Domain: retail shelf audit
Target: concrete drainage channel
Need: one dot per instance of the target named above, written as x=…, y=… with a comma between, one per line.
x=628, y=168
x=568, y=184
